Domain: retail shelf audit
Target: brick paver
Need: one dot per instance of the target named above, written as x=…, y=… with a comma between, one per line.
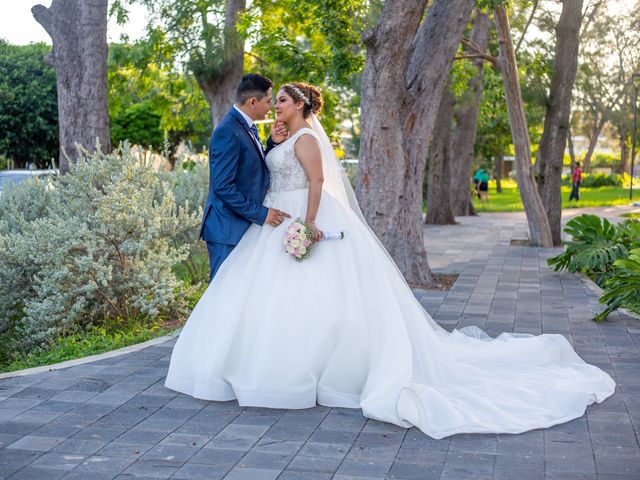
x=114, y=419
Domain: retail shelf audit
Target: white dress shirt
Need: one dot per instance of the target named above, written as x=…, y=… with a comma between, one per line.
x=250, y=123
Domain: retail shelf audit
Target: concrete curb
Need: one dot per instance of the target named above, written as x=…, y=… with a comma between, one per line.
x=91, y=358
x=593, y=286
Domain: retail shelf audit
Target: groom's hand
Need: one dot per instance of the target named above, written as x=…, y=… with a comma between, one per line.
x=279, y=132
x=275, y=217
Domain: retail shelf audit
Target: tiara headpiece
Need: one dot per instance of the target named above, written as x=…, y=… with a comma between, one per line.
x=301, y=95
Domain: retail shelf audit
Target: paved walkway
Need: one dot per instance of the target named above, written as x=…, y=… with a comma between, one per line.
x=114, y=418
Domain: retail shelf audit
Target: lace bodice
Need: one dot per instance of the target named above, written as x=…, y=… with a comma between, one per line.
x=285, y=170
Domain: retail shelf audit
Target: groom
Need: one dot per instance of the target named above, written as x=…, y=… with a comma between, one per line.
x=238, y=174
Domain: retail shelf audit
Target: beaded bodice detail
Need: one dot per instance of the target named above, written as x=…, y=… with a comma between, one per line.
x=285, y=171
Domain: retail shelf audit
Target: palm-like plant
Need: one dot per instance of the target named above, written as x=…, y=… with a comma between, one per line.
x=594, y=246
x=624, y=285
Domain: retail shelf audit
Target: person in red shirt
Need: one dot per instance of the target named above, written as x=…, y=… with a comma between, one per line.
x=576, y=179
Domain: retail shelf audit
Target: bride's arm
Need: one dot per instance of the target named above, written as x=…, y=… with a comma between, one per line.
x=308, y=154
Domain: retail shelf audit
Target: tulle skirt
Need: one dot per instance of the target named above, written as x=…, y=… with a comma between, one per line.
x=343, y=329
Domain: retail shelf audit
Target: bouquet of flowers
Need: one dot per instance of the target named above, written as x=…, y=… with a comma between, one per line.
x=298, y=239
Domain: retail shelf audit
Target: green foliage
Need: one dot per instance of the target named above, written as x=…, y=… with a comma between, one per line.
x=492, y=4
x=92, y=341
x=595, y=244
x=494, y=129
x=146, y=99
x=28, y=105
x=601, y=180
x=604, y=160
x=312, y=41
x=610, y=254
x=596, y=180
x=189, y=182
x=139, y=124
x=98, y=243
x=623, y=287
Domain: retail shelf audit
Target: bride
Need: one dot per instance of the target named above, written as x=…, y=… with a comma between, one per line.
x=343, y=329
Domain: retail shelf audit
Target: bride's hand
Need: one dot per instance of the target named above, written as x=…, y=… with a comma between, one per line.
x=279, y=132
x=317, y=233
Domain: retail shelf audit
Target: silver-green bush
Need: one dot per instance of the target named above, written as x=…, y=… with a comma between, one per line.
x=96, y=244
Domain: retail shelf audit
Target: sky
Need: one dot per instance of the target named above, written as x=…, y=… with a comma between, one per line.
x=18, y=26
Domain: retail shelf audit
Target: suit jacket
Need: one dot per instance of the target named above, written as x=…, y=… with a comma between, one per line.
x=238, y=182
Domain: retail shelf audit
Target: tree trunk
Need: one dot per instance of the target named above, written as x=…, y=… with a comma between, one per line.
x=497, y=170
x=539, y=230
x=404, y=75
x=558, y=113
x=572, y=151
x=78, y=30
x=466, y=126
x=219, y=86
x=439, y=180
x=624, y=148
x=598, y=124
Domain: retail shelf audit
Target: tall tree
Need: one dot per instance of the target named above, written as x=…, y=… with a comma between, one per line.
x=556, y=124
x=78, y=30
x=306, y=40
x=539, y=229
x=466, y=117
x=608, y=54
x=626, y=42
x=205, y=36
x=407, y=63
x=439, y=210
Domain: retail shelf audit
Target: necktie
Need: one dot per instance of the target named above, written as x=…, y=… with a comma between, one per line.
x=257, y=138
x=254, y=130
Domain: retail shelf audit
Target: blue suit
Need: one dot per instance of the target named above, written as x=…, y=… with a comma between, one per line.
x=238, y=183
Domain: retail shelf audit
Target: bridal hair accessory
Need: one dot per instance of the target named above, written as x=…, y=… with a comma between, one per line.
x=298, y=239
x=299, y=93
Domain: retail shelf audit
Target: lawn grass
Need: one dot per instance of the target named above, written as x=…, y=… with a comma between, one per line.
x=509, y=199
x=91, y=342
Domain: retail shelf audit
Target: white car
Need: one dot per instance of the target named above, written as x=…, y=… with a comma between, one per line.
x=19, y=176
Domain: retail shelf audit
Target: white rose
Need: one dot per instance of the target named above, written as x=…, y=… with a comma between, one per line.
x=295, y=243
x=303, y=250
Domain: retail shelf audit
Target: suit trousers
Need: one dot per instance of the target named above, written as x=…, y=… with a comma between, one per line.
x=218, y=253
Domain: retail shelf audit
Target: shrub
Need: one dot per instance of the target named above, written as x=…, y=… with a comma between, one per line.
x=601, y=180
x=596, y=180
x=100, y=244
x=604, y=160
x=189, y=182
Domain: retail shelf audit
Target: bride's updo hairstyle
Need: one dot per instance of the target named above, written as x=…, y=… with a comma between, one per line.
x=306, y=93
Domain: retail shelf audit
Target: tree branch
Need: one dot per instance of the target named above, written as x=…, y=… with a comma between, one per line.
x=44, y=17
x=526, y=27
x=263, y=62
x=478, y=52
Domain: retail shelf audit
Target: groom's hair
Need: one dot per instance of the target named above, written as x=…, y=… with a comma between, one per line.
x=253, y=85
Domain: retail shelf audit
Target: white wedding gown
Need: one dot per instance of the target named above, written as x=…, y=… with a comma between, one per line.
x=343, y=329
